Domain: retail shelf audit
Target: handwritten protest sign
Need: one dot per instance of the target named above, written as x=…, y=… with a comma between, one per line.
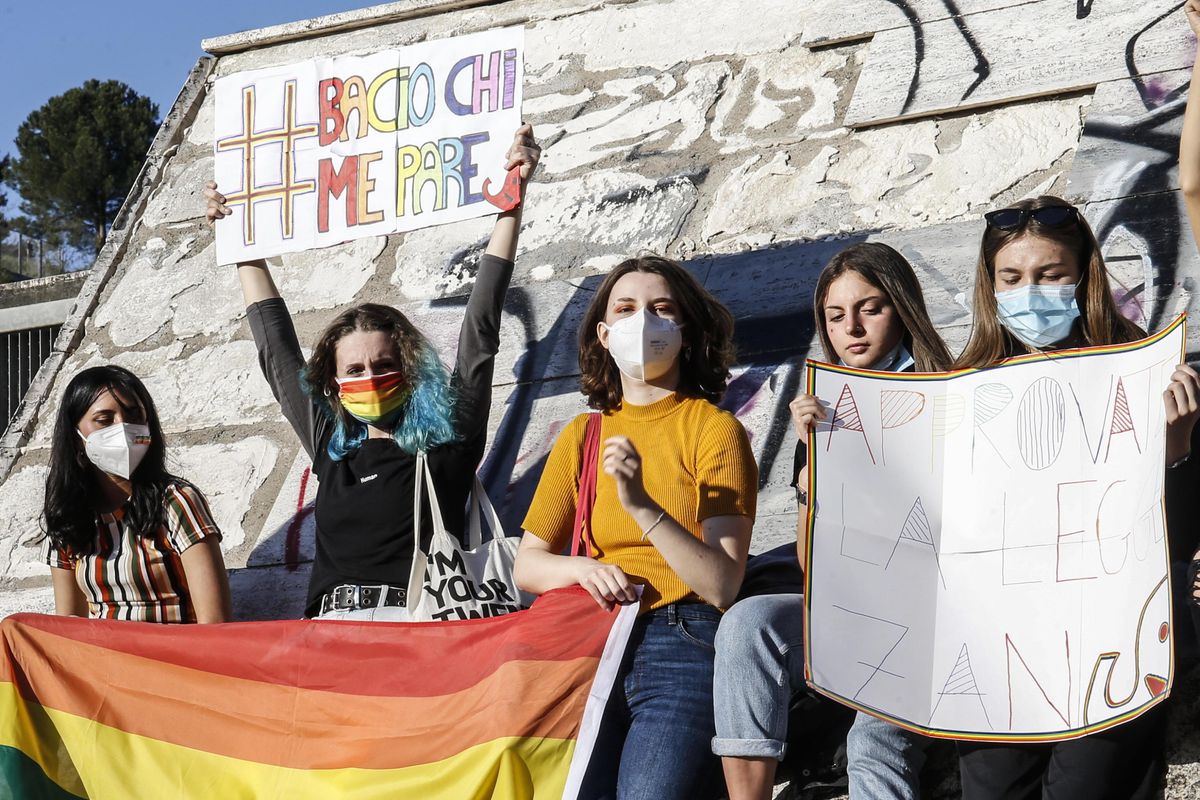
x=324, y=151
x=987, y=551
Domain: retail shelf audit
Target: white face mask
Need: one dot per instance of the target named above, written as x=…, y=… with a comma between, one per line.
x=117, y=449
x=644, y=345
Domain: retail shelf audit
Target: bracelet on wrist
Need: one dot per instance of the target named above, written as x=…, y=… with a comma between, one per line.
x=654, y=525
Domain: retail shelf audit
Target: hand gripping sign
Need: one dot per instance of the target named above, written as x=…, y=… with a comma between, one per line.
x=320, y=152
x=987, y=548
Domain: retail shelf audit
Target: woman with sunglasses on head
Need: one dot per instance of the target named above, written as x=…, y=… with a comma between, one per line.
x=373, y=394
x=126, y=539
x=1041, y=285
x=675, y=496
x=870, y=314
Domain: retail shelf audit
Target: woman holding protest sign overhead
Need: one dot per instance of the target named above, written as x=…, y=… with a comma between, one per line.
x=870, y=314
x=673, y=488
x=371, y=398
x=1041, y=285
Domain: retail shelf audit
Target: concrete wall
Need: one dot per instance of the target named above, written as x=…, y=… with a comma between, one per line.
x=751, y=140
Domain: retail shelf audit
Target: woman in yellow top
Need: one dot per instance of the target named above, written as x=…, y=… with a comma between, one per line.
x=675, y=499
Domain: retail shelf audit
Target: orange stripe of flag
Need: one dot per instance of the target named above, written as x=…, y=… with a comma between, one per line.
x=304, y=728
x=393, y=659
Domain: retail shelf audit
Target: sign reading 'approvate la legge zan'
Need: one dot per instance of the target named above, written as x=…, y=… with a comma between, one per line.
x=988, y=554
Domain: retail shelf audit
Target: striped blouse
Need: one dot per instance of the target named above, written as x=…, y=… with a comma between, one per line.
x=140, y=578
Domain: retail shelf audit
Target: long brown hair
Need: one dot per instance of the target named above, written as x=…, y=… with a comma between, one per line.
x=1102, y=322
x=706, y=326
x=889, y=272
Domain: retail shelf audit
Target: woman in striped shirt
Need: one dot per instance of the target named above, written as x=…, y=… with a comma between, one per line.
x=125, y=538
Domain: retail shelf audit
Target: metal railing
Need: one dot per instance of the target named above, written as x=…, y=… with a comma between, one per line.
x=22, y=353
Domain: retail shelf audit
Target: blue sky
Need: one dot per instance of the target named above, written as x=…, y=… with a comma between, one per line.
x=49, y=46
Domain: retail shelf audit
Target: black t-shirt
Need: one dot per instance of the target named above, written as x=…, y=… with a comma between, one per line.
x=364, y=511
x=364, y=506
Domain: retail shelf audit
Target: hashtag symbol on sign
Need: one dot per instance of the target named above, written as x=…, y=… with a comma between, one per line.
x=248, y=141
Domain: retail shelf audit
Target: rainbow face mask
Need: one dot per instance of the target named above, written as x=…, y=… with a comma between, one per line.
x=377, y=400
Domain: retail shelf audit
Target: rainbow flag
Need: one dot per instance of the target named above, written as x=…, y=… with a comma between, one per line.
x=505, y=707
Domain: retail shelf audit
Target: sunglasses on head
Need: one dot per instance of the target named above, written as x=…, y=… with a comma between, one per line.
x=1007, y=219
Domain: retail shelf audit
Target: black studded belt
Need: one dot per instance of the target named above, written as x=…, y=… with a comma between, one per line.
x=352, y=597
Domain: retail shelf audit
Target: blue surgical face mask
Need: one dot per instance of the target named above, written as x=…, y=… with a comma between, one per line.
x=1039, y=316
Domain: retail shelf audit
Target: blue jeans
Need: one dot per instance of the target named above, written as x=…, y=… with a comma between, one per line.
x=884, y=760
x=653, y=742
x=759, y=666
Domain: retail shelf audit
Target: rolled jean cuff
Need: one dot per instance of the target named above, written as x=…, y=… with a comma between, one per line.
x=749, y=748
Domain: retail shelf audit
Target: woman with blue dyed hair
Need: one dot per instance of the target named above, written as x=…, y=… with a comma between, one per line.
x=373, y=394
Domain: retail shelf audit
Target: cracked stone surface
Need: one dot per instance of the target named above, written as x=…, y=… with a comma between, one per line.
x=778, y=98
x=21, y=497
x=651, y=114
x=896, y=177
x=659, y=35
x=626, y=213
x=229, y=475
x=751, y=141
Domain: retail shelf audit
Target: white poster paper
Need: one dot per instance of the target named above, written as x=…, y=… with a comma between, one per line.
x=987, y=550
x=324, y=151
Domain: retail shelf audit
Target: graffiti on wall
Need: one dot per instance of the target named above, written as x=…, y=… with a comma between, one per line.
x=691, y=146
x=982, y=68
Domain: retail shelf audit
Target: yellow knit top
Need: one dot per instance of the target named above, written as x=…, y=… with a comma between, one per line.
x=696, y=464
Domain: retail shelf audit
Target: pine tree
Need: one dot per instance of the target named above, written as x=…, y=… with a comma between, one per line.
x=78, y=156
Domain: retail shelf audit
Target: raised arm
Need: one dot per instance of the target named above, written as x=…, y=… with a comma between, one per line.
x=279, y=353
x=257, y=283
x=479, y=340
x=524, y=152
x=254, y=276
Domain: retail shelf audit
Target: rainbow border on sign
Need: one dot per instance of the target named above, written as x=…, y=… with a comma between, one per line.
x=812, y=367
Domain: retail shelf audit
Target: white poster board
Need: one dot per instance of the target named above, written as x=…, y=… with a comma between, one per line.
x=987, y=552
x=325, y=151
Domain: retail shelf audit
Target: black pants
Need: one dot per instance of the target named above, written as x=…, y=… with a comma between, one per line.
x=1123, y=763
